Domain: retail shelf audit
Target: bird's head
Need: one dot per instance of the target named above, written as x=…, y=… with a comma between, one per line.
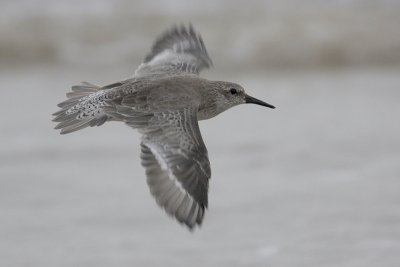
x=232, y=94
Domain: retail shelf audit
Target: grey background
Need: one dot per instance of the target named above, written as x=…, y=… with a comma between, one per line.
x=313, y=183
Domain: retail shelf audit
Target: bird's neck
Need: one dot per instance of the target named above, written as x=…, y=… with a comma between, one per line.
x=209, y=107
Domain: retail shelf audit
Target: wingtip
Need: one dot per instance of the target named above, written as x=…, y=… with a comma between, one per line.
x=192, y=227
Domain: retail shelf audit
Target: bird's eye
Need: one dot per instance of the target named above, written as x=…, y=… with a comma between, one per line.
x=233, y=91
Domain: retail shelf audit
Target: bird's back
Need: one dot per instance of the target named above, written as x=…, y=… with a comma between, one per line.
x=92, y=105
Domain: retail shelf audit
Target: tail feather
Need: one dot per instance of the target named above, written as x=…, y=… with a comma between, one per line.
x=77, y=125
x=80, y=110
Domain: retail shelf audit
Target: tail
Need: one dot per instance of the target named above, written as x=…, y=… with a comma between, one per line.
x=81, y=109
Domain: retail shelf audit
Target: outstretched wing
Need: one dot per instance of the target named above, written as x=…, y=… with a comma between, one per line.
x=179, y=50
x=175, y=158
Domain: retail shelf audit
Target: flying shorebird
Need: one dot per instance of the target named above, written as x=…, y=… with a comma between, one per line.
x=164, y=100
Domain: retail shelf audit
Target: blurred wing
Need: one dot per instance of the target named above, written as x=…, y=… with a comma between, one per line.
x=177, y=165
x=175, y=158
x=179, y=50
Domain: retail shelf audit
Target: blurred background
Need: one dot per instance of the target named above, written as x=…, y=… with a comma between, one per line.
x=314, y=182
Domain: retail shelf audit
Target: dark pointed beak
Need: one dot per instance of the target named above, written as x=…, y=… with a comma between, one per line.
x=252, y=100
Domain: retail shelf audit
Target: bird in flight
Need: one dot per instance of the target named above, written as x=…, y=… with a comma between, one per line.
x=163, y=100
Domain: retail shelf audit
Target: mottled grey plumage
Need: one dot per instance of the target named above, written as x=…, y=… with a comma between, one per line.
x=164, y=101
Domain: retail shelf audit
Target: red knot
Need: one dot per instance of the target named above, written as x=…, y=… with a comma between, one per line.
x=164, y=100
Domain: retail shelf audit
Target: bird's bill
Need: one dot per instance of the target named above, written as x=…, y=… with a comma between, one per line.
x=252, y=100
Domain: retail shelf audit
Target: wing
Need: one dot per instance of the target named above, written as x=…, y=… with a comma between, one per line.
x=175, y=158
x=179, y=50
